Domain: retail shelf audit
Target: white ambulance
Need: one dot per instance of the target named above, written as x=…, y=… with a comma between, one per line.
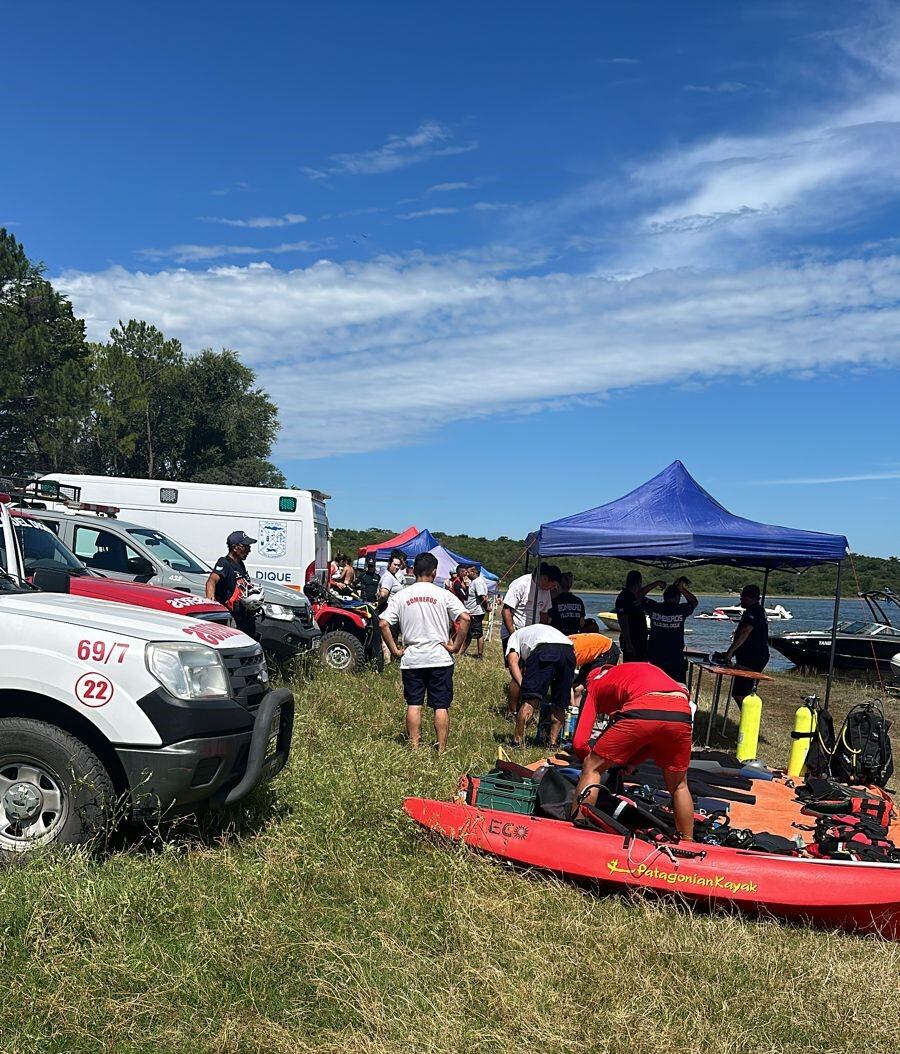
x=109, y=710
x=291, y=526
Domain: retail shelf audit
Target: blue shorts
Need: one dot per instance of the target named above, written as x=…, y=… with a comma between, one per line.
x=549, y=669
x=433, y=682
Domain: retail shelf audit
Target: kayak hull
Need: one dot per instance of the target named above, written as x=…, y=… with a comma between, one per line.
x=856, y=896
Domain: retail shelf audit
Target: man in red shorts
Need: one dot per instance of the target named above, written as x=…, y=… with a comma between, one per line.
x=650, y=718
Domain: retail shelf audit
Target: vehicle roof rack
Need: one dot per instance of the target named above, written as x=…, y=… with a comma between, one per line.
x=35, y=493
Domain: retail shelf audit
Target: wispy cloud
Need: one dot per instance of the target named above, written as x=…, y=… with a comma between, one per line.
x=623, y=60
x=431, y=139
x=464, y=316
x=449, y=210
x=722, y=88
x=202, y=253
x=418, y=214
x=862, y=477
x=223, y=192
x=289, y=219
x=444, y=188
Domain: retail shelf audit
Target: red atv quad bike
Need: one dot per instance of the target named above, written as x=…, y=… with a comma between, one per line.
x=351, y=638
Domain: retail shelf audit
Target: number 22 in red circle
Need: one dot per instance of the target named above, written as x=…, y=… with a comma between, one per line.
x=93, y=689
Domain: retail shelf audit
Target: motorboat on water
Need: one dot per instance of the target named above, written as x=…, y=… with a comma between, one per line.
x=861, y=645
x=733, y=612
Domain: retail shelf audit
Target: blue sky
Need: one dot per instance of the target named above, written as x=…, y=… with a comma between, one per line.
x=495, y=263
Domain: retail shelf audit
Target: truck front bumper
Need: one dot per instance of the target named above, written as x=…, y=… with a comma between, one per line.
x=219, y=770
x=284, y=640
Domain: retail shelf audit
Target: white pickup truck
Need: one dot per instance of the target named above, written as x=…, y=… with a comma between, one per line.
x=110, y=710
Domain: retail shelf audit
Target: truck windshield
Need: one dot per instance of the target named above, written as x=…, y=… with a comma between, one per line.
x=168, y=552
x=41, y=547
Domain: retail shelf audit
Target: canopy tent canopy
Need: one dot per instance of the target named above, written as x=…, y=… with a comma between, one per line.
x=425, y=542
x=391, y=543
x=672, y=521
x=448, y=563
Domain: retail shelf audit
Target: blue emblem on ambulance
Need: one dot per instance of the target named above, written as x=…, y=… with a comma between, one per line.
x=272, y=541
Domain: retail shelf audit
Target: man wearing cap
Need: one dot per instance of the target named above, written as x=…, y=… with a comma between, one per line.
x=229, y=582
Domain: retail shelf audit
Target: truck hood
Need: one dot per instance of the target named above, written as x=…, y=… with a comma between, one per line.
x=157, y=598
x=123, y=620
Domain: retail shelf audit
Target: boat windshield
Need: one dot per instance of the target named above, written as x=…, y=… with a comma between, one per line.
x=860, y=629
x=169, y=552
x=888, y=631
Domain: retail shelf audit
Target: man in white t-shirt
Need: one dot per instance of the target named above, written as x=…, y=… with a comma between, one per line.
x=518, y=611
x=424, y=612
x=541, y=660
x=476, y=604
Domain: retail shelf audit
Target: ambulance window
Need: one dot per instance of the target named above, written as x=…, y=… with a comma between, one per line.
x=168, y=495
x=287, y=504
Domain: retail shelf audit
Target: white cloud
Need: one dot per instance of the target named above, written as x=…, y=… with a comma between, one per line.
x=721, y=88
x=201, y=253
x=431, y=139
x=525, y=341
x=223, y=192
x=443, y=188
x=624, y=61
x=418, y=214
x=289, y=219
x=862, y=477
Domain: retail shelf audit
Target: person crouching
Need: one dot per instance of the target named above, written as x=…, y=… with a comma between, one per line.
x=423, y=612
x=650, y=718
x=540, y=660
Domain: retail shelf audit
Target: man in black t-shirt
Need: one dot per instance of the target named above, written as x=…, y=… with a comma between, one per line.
x=632, y=620
x=566, y=609
x=230, y=582
x=666, y=646
x=368, y=580
x=750, y=644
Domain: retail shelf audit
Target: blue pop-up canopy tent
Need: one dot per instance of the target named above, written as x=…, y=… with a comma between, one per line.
x=672, y=521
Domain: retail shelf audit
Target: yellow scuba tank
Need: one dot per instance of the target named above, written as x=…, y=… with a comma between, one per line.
x=804, y=728
x=748, y=730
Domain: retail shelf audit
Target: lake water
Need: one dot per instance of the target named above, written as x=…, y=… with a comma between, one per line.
x=709, y=636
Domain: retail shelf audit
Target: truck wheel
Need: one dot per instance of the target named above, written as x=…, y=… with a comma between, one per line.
x=340, y=650
x=53, y=789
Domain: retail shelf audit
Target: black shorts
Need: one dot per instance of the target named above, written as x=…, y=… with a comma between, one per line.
x=504, y=640
x=476, y=627
x=433, y=682
x=674, y=665
x=549, y=669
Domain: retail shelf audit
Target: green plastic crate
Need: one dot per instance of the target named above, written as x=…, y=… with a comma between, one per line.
x=497, y=791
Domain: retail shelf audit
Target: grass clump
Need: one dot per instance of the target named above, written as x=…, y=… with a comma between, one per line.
x=316, y=917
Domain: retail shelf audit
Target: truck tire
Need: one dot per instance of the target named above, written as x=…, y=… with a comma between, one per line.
x=54, y=790
x=340, y=650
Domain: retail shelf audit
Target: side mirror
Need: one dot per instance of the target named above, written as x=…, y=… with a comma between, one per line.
x=51, y=580
x=141, y=567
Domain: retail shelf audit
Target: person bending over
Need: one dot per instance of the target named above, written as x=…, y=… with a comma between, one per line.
x=423, y=611
x=541, y=660
x=650, y=718
x=519, y=609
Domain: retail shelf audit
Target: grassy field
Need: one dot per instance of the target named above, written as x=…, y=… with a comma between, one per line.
x=318, y=918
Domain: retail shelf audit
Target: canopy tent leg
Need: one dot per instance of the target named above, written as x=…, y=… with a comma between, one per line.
x=765, y=588
x=834, y=624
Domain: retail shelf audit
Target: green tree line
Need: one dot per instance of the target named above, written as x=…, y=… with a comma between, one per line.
x=134, y=405
x=506, y=556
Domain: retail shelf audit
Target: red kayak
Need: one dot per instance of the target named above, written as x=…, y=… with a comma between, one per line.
x=852, y=895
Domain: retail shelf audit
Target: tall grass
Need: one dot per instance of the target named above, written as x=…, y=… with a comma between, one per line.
x=318, y=918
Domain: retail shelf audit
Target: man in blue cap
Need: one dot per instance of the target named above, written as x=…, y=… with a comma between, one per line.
x=230, y=582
